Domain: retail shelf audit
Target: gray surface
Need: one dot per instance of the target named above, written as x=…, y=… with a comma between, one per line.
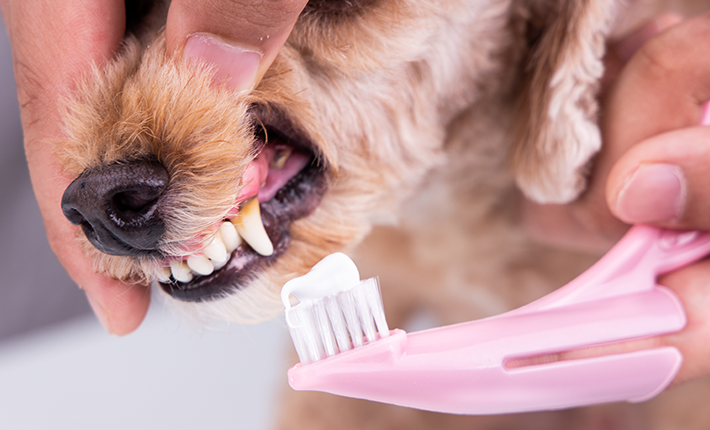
x=166, y=375
x=34, y=289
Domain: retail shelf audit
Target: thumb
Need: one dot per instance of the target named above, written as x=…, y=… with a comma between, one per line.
x=241, y=39
x=54, y=43
x=649, y=169
x=664, y=181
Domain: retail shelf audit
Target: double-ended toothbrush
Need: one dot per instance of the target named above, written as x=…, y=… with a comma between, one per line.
x=345, y=347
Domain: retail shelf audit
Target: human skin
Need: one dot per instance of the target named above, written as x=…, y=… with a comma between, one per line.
x=54, y=43
x=656, y=84
x=652, y=169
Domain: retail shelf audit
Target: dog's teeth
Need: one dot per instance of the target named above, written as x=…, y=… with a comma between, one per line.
x=219, y=264
x=250, y=228
x=280, y=157
x=200, y=264
x=162, y=274
x=230, y=237
x=216, y=251
x=180, y=271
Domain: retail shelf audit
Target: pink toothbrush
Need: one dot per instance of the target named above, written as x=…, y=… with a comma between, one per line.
x=461, y=368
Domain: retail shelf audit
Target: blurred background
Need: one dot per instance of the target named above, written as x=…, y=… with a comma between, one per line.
x=60, y=370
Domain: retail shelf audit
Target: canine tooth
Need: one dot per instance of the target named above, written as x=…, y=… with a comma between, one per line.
x=180, y=271
x=230, y=237
x=200, y=264
x=250, y=228
x=280, y=157
x=216, y=251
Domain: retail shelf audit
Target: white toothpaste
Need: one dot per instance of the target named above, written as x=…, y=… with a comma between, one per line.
x=335, y=312
x=329, y=277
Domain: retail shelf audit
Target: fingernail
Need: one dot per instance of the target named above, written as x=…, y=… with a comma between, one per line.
x=235, y=66
x=99, y=312
x=654, y=193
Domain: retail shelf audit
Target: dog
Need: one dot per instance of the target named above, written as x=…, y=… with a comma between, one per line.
x=404, y=132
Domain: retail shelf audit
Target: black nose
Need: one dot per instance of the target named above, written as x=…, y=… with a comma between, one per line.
x=118, y=207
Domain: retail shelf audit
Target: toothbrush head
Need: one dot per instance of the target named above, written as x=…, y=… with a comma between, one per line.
x=336, y=311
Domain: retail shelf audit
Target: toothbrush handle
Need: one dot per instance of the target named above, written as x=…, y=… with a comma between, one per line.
x=461, y=368
x=630, y=267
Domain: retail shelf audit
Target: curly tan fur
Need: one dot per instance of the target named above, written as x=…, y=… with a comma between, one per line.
x=427, y=114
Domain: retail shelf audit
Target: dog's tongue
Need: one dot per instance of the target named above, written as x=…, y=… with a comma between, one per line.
x=270, y=171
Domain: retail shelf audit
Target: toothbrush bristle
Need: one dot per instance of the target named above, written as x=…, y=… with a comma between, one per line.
x=338, y=323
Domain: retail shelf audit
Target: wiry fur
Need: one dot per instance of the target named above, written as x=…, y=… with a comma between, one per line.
x=427, y=114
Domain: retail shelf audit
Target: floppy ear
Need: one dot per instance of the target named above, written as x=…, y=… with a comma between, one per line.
x=556, y=131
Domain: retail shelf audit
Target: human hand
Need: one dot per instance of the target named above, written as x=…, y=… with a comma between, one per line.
x=653, y=166
x=240, y=38
x=657, y=169
x=54, y=43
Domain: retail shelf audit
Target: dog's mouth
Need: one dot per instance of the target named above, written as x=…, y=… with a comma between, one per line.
x=283, y=183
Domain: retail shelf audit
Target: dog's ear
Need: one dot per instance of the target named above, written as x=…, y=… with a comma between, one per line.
x=556, y=131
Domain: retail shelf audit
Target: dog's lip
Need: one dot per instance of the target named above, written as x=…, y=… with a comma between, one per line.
x=263, y=180
x=296, y=199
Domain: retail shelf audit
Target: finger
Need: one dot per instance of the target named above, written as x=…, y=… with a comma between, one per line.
x=621, y=50
x=664, y=181
x=53, y=44
x=119, y=307
x=625, y=48
x=662, y=88
x=240, y=38
x=691, y=286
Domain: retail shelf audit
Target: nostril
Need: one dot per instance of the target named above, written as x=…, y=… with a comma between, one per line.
x=118, y=207
x=133, y=203
x=134, y=206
